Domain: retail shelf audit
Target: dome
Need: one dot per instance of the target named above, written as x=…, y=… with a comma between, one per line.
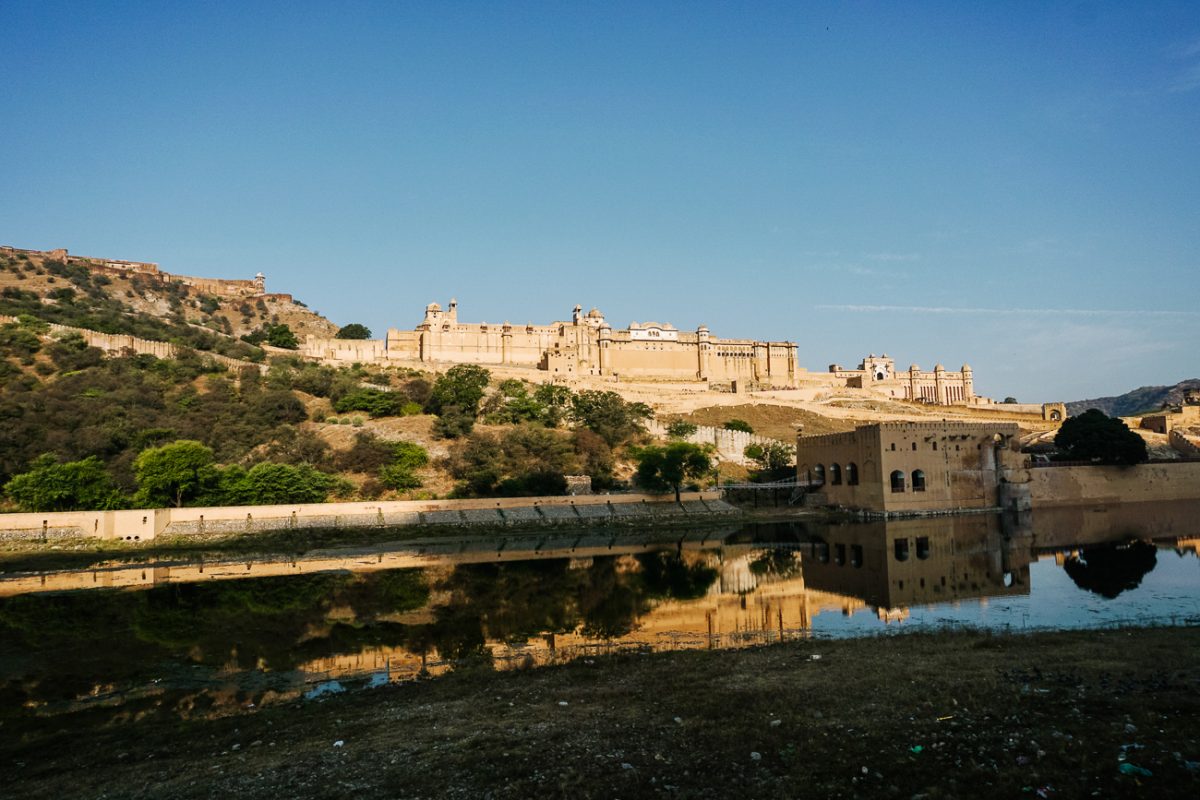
x=595, y=314
x=433, y=307
x=939, y=368
x=966, y=368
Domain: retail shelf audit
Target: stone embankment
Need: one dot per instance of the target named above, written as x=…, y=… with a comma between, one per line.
x=141, y=525
x=120, y=343
x=730, y=445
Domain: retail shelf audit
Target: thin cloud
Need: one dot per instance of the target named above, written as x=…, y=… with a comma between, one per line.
x=1076, y=312
x=1187, y=81
x=893, y=256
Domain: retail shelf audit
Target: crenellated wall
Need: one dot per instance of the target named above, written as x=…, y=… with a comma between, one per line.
x=731, y=445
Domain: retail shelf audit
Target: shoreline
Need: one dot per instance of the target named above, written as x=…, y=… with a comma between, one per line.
x=944, y=714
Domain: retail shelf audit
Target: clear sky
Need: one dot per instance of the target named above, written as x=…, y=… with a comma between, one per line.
x=1013, y=185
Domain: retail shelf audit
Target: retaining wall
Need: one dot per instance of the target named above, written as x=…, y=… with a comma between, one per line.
x=147, y=524
x=1049, y=487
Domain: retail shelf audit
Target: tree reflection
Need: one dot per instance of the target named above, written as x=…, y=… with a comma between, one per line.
x=1111, y=569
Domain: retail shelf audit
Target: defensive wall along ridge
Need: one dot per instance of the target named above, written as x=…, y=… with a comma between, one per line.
x=730, y=445
x=146, y=524
x=122, y=342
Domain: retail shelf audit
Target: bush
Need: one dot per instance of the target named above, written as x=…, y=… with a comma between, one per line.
x=680, y=429
x=1094, y=436
x=354, y=331
x=738, y=425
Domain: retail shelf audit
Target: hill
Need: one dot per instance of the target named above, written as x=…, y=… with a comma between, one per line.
x=136, y=298
x=1137, y=401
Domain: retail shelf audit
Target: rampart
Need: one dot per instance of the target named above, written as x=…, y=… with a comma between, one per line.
x=141, y=525
x=730, y=445
x=1053, y=486
x=147, y=271
x=121, y=343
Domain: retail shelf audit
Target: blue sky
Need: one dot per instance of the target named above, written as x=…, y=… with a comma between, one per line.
x=1014, y=185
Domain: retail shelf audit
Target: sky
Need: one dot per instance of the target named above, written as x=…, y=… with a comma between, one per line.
x=1011, y=185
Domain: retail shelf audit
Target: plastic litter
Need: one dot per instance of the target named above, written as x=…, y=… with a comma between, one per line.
x=339, y=743
x=916, y=748
x=1127, y=768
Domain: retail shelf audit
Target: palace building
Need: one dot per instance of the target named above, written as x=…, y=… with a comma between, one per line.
x=585, y=345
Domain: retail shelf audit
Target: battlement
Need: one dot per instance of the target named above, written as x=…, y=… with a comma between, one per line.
x=145, y=270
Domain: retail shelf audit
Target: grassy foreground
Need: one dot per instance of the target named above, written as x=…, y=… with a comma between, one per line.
x=922, y=715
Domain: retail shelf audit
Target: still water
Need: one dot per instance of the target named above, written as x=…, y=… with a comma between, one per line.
x=203, y=637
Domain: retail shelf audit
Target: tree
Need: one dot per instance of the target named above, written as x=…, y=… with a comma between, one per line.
x=607, y=414
x=738, y=425
x=354, y=331
x=773, y=458
x=1011, y=401
x=282, y=336
x=407, y=457
x=660, y=468
x=462, y=387
x=74, y=486
x=680, y=429
x=272, y=484
x=173, y=473
x=1094, y=436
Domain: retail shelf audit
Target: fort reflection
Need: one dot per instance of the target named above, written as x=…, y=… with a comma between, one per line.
x=199, y=638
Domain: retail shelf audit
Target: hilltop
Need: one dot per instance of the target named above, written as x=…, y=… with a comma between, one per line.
x=130, y=297
x=1137, y=401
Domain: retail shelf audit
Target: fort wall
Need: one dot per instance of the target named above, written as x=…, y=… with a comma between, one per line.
x=1159, y=482
x=730, y=445
x=120, y=343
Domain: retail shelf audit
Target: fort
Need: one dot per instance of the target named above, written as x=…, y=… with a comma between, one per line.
x=585, y=345
x=147, y=271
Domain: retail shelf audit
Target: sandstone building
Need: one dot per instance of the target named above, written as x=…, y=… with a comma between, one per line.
x=910, y=467
x=585, y=345
x=939, y=387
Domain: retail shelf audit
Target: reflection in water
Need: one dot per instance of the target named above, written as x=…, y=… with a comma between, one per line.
x=201, y=638
x=1110, y=569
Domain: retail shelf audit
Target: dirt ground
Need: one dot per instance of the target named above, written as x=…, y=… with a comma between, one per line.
x=778, y=422
x=1056, y=715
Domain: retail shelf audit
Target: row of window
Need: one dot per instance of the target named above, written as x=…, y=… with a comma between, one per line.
x=918, y=480
x=835, y=474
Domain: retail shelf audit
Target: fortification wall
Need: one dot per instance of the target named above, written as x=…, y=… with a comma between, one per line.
x=120, y=343
x=142, y=525
x=731, y=445
x=1184, y=444
x=1102, y=485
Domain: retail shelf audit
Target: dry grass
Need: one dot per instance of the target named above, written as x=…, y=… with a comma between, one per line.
x=777, y=422
x=935, y=716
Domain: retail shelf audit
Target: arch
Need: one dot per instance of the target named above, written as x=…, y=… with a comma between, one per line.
x=1056, y=415
x=918, y=480
x=900, y=549
x=852, y=474
x=839, y=554
x=922, y=548
x=897, y=481
x=835, y=474
x=819, y=474
x=856, y=555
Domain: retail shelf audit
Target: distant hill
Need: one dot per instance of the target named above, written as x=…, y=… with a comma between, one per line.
x=1145, y=398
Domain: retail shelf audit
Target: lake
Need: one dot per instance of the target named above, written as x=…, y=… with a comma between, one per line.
x=209, y=636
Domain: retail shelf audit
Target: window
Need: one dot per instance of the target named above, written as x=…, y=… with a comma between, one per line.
x=835, y=475
x=852, y=474
x=900, y=549
x=935, y=445
x=914, y=445
x=922, y=547
x=897, y=481
x=893, y=445
x=819, y=474
x=839, y=554
x=856, y=555
x=918, y=480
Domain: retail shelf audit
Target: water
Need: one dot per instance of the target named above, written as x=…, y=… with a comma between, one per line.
x=197, y=638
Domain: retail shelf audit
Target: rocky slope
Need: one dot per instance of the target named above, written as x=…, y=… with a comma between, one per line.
x=1136, y=401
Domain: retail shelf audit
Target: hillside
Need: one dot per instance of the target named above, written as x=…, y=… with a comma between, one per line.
x=138, y=299
x=1137, y=401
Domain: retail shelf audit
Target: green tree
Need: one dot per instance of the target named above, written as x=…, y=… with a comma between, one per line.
x=282, y=336
x=173, y=473
x=774, y=459
x=1095, y=436
x=407, y=458
x=660, y=468
x=738, y=425
x=608, y=415
x=354, y=331
x=460, y=387
x=274, y=484
x=76, y=485
x=680, y=429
